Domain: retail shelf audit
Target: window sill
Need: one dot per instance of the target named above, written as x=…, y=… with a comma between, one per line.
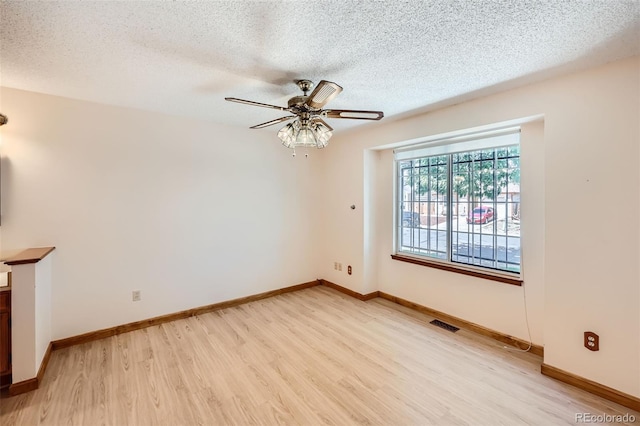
x=459, y=269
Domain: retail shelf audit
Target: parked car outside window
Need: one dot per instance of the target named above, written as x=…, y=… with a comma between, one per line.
x=482, y=214
x=410, y=219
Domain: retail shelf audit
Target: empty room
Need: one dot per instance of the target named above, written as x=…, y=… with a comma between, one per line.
x=329, y=212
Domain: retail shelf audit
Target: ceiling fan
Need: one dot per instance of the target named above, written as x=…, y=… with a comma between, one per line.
x=308, y=128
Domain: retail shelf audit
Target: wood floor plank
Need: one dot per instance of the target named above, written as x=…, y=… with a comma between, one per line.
x=311, y=357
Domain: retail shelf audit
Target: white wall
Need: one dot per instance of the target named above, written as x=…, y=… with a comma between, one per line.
x=591, y=274
x=189, y=212
x=580, y=269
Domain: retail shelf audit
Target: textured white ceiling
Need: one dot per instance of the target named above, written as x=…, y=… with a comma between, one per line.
x=396, y=56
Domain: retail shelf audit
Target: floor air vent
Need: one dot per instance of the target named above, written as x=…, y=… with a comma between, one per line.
x=444, y=325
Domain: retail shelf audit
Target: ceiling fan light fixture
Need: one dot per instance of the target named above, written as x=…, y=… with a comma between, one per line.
x=308, y=135
x=323, y=134
x=288, y=134
x=306, y=138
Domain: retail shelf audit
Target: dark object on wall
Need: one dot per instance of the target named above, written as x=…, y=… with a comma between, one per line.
x=5, y=337
x=3, y=119
x=591, y=341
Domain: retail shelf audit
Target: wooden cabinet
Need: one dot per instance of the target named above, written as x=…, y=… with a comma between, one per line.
x=5, y=337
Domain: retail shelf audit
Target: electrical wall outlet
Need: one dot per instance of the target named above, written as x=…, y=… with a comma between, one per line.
x=591, y=341
x=136, y=296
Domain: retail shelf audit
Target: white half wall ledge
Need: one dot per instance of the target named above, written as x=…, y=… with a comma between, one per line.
x=31, y=313
x=30, y=255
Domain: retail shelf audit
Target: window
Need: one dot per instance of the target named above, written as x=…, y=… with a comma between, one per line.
x=459, y=202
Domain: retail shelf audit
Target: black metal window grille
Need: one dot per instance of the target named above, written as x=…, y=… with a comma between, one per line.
x=462, y=208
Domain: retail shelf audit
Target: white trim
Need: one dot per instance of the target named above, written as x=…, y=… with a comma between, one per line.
x=470, y=142
x=395, y=207
x=518, y=122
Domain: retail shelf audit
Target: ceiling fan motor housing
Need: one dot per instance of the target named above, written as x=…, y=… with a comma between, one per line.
x=297, y=101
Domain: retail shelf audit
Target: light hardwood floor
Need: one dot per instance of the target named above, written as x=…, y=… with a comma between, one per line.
x=309, y=357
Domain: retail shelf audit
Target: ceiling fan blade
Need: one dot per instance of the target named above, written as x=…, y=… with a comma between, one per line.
x=244, y=101
x=358, y=115
x=318, y=119
x=272, y=122
x=323, y=93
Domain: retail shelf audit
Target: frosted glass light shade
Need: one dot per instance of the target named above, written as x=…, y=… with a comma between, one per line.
x=288, y=135
x=306, y=138
x=295, y=135
x=323, y=134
